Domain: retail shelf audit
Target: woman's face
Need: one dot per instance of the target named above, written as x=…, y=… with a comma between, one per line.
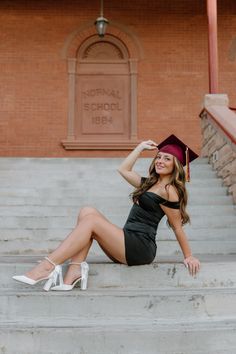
x=164, y=163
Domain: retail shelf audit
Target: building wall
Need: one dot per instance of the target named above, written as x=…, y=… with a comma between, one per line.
x=172, y=73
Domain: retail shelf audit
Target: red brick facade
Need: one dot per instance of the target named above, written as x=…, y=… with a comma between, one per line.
x=172, y=73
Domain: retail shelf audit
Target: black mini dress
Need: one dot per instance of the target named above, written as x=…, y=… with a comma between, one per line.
x=141, y=227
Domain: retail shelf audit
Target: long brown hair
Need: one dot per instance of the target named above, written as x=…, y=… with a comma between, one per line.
x=177, y=180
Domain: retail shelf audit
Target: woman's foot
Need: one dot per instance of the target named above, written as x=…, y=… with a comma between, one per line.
x=42, y=270
x=73, y=273
x=77, y=273
x=46, y=270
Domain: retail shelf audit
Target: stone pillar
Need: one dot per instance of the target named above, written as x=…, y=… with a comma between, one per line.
x=71, y=101
x=212, y=45
x=133, y=89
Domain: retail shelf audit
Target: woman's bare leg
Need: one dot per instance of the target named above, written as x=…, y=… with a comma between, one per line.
x=79, y=257
x=95, y=227
x=109, y=236
x=73, y=271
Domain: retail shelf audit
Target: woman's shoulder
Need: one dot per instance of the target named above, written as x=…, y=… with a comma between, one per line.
x=172, y=198
x=172, y=195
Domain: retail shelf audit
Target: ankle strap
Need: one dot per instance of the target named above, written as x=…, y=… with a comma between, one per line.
x=74, y=263
x=49, y=260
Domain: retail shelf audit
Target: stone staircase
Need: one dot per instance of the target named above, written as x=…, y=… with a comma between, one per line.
x=154, y=309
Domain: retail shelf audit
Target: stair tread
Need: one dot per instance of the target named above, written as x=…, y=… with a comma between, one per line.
x=117, y=324
x=103, y=259
x=30, y=291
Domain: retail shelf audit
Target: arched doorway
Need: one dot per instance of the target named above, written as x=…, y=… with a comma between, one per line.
x=102, y=96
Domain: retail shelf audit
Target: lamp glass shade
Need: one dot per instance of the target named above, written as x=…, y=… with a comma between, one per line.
x=101, y=25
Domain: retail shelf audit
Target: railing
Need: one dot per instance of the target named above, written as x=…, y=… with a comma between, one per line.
x=219, y=138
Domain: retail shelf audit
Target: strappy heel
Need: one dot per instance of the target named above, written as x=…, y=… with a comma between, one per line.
x=51, y=278
x=83, y=279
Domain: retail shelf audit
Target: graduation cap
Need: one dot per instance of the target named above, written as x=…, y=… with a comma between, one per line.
x=174, y=146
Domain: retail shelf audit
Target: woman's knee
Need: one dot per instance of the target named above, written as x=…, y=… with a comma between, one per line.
x=85, y=211
x=89, y=222
x=92, y=221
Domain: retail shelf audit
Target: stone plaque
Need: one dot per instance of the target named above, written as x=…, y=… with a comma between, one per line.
x=102, y=105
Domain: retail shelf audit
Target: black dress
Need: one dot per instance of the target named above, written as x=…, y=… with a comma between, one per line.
x=141, y=227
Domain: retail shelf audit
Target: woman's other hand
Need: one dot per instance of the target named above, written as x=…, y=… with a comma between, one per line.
x=192, y=264
x=147, y=145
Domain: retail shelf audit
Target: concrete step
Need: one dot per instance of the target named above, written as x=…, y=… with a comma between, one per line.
x=179, y=304
x=169, y=248
x=164, y=233
x=210, y=200
x=158, y=275
x=82, y=166
x=164, y=247
x=201, y=180
x=82, y=336
x=122, y=200
x=39, y=163
x=204, y=241
x=59, y=210
x=63, y=180
x=212, y=234
x=45, y=222
x=104, y=191
x=78, y=176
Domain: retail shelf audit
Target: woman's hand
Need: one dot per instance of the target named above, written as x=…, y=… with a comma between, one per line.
x=192, y=264
x=147, y=145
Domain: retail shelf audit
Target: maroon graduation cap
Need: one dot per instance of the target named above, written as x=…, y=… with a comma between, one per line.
x=174, y=146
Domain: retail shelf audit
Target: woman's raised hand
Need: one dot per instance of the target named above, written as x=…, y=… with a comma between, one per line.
x=148, y=145
x=126, y=167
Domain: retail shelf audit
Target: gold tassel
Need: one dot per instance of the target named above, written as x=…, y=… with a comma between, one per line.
x=187, y=178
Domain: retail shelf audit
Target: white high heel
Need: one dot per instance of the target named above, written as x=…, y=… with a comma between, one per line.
x=51, y=278
x=83, y=279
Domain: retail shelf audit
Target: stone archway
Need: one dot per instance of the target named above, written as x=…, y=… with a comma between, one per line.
x=102, y=112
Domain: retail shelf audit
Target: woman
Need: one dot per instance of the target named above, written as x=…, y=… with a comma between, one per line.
x=162, y=193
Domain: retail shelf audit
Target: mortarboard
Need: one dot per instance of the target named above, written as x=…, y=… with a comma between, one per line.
x=174, y=146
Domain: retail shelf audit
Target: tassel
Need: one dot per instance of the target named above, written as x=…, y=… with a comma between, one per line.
x=187, y=178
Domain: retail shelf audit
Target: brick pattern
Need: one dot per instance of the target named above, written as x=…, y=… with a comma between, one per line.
x=172, y=73
x=220, y=152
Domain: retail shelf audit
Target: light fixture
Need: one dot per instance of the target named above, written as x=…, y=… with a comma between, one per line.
x=101, y=23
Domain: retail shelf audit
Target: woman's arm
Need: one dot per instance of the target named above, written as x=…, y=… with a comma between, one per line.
x=125, y=169
x=174, y=218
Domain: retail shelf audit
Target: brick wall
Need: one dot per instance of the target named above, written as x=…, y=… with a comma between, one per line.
x=172, y=75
